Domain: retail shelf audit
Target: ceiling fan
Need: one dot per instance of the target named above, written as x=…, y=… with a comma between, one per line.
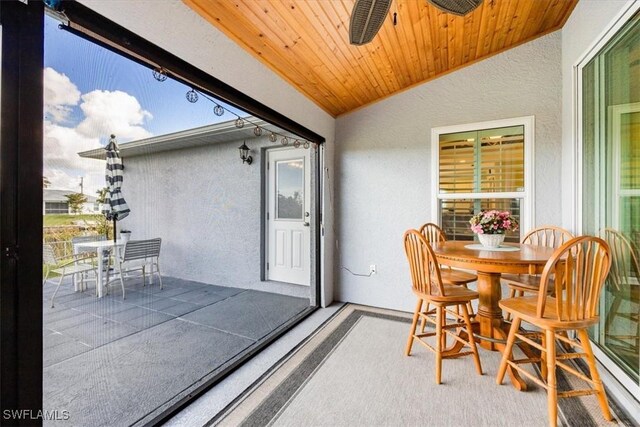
x=368, y=16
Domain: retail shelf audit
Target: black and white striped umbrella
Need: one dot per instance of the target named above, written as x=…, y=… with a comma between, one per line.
x=115, y=207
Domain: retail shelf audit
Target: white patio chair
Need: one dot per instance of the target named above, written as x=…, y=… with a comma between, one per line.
x=75, y=266
x=138, y=255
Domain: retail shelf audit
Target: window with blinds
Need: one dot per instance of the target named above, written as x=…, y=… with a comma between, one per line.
x=480, y=169
x=484, y=161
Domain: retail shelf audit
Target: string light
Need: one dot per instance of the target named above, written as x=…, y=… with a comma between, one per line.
x=160, y=74
x=192, y=96
x=218, y=110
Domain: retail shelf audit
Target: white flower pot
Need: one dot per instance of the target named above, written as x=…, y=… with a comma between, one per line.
x=125, y=237
x=491, y=240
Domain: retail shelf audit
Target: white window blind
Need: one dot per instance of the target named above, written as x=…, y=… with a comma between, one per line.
x=482, y=167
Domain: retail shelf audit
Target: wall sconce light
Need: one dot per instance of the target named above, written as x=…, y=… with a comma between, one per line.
x=244, y=154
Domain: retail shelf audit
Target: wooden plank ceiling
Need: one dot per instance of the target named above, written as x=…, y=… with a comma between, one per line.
x=307, y=42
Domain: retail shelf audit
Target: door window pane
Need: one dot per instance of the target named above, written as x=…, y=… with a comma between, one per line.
x=611, y=187
x=290, y=189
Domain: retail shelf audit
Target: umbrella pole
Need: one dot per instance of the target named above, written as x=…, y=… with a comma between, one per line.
x=114, y=230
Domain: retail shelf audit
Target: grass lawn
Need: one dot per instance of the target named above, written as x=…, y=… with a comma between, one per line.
x=66, y=219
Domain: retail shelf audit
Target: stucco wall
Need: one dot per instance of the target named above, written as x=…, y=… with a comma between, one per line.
x=174, y=27
x=585, y=25
x=205, y=204
x=383, y=160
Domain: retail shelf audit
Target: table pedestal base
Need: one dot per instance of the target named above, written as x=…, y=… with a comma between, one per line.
x=489, y=327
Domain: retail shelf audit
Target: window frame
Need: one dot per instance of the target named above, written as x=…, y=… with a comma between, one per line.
x=618, y=381
x=527, y=211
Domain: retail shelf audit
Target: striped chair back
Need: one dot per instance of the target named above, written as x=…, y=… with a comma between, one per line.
x=625, y=260
x=423, y=265
x=48, y=256
x=433, y=233
x=580, y=267
x=141, y=249
x=548, y=236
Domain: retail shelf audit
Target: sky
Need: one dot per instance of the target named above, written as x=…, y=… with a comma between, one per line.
x=91, y=93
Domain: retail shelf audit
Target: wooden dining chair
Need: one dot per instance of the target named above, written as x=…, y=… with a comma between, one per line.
x=580, y=267
x=429, y=288
x=434, y=234
x=548, y=236
x=625, y=290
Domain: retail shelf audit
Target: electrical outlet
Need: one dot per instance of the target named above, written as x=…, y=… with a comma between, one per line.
x=372, y=269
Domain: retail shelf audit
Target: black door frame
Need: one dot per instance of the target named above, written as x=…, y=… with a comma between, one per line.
x=20, y=212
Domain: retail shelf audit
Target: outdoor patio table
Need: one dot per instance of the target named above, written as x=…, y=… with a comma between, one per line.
x=489, y=326
x=100, y=246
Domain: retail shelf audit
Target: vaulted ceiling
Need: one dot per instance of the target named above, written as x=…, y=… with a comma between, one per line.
x=307, y=42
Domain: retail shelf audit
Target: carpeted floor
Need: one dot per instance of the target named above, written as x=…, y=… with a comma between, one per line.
x=112, y=362
x=353, y=372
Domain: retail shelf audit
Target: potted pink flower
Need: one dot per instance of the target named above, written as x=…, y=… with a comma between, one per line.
x=491, y=226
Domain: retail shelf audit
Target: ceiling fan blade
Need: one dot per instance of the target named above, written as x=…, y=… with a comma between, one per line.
x=366, y=19
x=456, y=7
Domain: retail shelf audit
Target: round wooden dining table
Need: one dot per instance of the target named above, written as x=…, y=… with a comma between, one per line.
x=489, y=326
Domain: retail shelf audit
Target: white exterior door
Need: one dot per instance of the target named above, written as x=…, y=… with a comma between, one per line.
x=288, y=216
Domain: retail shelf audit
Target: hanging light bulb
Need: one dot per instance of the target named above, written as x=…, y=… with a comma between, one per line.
x=160, y=74
x=284, y=140
x=239, y=123
x=296, y=143
x=273, y=137
x=192, y=96
x=306, y=145
x=257, y=131
x=218, y=110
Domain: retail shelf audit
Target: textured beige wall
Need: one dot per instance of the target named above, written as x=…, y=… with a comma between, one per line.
x=383, y=160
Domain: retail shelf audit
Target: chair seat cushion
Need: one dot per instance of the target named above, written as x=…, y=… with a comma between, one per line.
x=525, y=308
x=526, y=282
x=456, y=277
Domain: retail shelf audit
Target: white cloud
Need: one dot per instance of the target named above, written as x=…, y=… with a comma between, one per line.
x=114, y=112
x=62, y=145
x=105, y=112
x=60, y=94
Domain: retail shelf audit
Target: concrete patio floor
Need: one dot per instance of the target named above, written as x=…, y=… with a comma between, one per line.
x=111, y=361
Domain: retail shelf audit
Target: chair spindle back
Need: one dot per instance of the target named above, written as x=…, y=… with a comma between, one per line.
x=624, y=259
x=432, y=233
x=580, y=267
x=548, y=236
x=425, y=271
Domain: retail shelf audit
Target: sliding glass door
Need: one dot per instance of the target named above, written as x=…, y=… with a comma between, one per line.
x=611, y=187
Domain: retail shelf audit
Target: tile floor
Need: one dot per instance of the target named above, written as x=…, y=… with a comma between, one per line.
x=111, y=361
